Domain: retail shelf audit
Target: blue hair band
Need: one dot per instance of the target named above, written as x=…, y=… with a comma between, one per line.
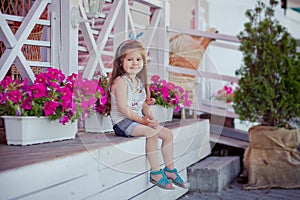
x=130, y=36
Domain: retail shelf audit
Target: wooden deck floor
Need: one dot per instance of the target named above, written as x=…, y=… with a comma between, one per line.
x=97, y=166
x=17, y=156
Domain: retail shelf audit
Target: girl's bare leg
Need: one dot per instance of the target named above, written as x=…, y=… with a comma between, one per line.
x=167, y=146
x=167, y=149
x=151, y=146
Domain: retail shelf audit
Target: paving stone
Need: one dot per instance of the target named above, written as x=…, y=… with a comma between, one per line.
x=212, y=174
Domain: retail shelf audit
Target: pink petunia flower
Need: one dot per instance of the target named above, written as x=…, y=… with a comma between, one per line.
x=39, y=90
x=171, y=86
x=55, y=74
x=155, y=79
x=64, y=119
x=27, y=103
x=50, y=107
x=15, y=96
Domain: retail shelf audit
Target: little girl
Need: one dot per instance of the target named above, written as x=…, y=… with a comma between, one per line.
x=131, y=115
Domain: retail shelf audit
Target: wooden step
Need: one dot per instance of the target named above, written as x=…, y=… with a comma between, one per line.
x=96, y=166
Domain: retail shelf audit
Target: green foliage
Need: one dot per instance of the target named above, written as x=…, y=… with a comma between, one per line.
x=269, y=83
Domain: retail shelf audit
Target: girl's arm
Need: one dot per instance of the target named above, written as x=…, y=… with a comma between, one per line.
x=147, y=111
x=119, y=89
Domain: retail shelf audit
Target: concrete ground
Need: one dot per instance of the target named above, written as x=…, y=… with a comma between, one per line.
x=235, y=191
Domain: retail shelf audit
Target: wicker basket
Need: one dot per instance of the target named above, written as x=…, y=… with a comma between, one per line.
x=186, y=52
x=31, y=52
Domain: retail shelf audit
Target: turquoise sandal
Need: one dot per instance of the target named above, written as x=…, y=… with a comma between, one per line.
x=178, y=180
x=163, y=182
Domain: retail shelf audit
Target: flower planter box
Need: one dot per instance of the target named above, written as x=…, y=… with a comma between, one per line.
x=162, y=114
x=98, y=123
x=35, y=130
x=218, y=104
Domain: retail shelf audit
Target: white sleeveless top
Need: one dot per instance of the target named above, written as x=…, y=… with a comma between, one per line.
x=136, y=98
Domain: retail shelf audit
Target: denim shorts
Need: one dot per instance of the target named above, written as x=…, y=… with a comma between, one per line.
x=125, y=127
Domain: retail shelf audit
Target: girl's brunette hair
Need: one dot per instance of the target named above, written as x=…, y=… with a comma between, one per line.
x=118, y=70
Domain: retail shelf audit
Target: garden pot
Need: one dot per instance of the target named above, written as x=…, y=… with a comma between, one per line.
x=162, y=114
x=35, y=130
x=98, y=123
x=272, y=159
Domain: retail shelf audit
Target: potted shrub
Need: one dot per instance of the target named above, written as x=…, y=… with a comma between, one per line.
x=100, y=121
x=269, y=93
x=53, y=101
x=167, y=97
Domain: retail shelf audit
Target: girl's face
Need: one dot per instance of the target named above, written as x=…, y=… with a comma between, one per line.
x=133, y=62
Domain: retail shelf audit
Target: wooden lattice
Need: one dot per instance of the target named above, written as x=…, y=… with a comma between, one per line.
x=31, y=52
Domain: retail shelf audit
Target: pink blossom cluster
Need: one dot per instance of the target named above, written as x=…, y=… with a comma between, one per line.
x=226, y=93
x=103, y=104
x=168, y=94
x=52, y=95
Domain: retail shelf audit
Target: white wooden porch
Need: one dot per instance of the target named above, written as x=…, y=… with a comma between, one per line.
x=100, y=166
x=96, y=166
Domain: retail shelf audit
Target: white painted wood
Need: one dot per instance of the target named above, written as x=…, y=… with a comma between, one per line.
x=139, y=10
x=121, y=26
x=7, y=36
x=208, y=75
x=54, y=33
x=217, y=36
x=224, y=45
x=68, y=62
x=9, y=55
x=90, y=42
x=150, y=34
x=159, y=47
x=131, y=24
x=163, y=40
x=197, y=19
x=53, y=174
x=152, y=3
x=228, y=141
x=217, y=111
x=109, y=180
x=107, y=172
x=20, y=19
x=39, y=64
x=38, y=43
x=24, y=67
x=102, y=38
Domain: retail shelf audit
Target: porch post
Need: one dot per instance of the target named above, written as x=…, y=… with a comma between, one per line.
x=163, y=41
x=53, y=55
x=121, y=26
x=68, y=57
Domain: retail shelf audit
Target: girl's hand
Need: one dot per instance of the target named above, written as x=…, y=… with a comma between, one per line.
x=154, y=123
x=150, y=122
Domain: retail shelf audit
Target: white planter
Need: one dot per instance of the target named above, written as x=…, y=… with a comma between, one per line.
x=218, y=104
x=98, y=123
x=162, y=114
x=35, y=130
